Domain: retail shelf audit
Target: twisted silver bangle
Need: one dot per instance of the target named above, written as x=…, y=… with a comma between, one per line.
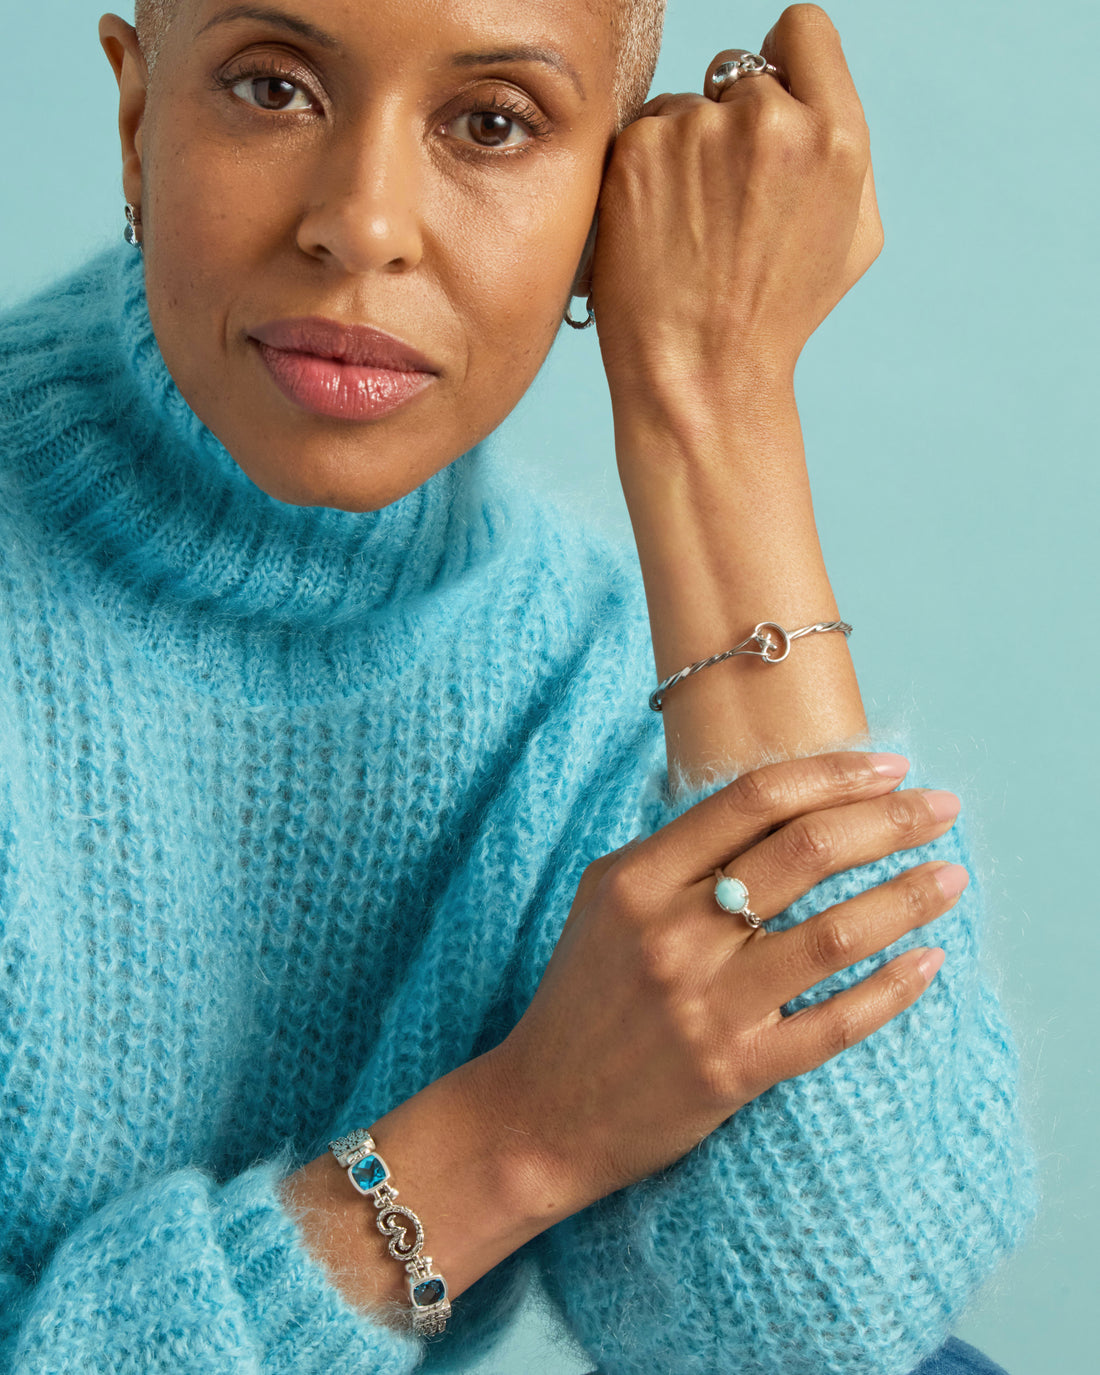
x=772, y=642
x=370, y=1174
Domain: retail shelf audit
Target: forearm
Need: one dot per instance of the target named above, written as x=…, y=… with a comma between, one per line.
x=454, y=1164
x=720, y=502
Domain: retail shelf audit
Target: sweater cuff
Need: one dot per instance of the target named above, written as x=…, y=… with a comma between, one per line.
x=306, y=1322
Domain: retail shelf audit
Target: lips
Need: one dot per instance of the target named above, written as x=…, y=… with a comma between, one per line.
x=348, y=372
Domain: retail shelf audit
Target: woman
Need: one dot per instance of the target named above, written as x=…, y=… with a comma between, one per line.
x=331, y=796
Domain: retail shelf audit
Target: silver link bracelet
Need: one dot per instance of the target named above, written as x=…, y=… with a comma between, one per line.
x=772, y=644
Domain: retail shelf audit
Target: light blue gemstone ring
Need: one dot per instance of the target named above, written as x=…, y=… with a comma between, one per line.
x=732, y=896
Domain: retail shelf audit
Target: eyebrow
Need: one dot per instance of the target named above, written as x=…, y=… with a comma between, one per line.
x=301, y=27
x=304, y=29
x=548, y=56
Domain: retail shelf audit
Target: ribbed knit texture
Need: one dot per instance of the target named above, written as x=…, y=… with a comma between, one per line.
x=293, y=803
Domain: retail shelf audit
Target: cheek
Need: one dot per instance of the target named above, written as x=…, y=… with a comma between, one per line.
x=211, y=206
x=511, y=260
x=215, y=223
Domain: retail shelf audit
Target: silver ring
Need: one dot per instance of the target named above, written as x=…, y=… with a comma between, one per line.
x=746, y=64
x=732, y=896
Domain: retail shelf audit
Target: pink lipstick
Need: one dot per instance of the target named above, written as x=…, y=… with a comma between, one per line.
x=350, y=372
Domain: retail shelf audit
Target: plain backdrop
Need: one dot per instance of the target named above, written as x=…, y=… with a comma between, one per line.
x=948, y=407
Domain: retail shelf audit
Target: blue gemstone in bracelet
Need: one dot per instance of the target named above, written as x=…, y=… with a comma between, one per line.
x=369, y=1173
x=429, y=1291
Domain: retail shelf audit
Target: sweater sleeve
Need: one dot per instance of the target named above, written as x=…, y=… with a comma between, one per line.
x=186, y=1275
x=180, y=1274
x=840, y=1223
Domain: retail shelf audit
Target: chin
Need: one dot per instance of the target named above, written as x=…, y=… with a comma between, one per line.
x=362, y=481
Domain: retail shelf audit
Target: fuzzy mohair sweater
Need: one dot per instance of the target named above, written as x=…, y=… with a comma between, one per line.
x=293, y=804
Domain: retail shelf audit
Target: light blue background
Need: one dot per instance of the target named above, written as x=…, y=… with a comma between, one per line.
x=948, y=407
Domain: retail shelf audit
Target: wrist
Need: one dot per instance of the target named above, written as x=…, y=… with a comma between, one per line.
x=532, y=1176
x=452, y=1165
x=726, y=448
x=685, y=408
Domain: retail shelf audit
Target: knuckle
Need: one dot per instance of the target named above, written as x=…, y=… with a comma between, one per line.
x=620, y=886
x=900, y=985
x=703, y=116
x=712, y=1079
x=922, y=896
x=905, y=813
x=768, y=126
x=635, y=147
x=638, y=132
x=660, y=962
x=844, y=147
x=809, y=845
x=834, y=943
x=838, y=772
x=843, y=1031
x=760, y=793
x=725, y=1064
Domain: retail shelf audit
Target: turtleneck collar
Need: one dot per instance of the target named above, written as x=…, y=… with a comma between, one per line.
x=161, y=507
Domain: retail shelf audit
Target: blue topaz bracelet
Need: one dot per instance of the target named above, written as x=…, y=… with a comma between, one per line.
x=369, y=1173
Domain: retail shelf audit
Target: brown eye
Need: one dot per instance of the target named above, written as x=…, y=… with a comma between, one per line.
x=490, y=129
x=272, y=93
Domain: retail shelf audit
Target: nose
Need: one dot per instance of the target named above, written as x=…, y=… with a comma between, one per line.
x=364, y=210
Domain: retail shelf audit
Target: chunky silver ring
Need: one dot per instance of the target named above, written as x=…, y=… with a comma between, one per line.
x=745, y=64
x=732, y=896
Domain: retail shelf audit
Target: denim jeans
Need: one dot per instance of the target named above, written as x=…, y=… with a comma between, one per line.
x=956, y=1357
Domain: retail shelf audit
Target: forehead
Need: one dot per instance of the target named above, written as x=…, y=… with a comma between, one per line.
x=585, y=25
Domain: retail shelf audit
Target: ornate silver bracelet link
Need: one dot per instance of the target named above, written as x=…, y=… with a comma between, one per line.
x=370, y=1175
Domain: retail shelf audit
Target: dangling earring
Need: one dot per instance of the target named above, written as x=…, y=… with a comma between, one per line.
x=133, y=226
x=590, y=319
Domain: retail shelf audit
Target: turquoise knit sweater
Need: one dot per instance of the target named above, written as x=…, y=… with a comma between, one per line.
x=293, y=803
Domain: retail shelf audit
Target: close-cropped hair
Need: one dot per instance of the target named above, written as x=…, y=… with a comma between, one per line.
x=637, y=23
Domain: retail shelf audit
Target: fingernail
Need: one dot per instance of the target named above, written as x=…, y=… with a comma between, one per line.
x=952, y=879
x=944, y=805
x=889, y=765
x=930, y=962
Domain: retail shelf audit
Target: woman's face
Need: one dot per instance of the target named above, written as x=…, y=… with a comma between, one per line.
x=424, y=168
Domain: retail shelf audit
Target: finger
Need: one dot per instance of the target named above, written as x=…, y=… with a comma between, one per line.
x=783, y=866
x=725, y=824
x=669, y=103
x=809, y=1037
x=806, y=46
x=790, y=962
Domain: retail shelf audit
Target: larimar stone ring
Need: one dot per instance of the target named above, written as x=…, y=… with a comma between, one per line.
x=732, y=896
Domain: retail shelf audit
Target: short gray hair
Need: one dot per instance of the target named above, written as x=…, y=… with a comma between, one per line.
x=638, y=25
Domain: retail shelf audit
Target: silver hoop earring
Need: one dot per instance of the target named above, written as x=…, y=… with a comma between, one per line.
x=133, y=226
x=590, y=319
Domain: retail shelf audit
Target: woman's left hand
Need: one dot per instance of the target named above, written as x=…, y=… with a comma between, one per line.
x=729, y=228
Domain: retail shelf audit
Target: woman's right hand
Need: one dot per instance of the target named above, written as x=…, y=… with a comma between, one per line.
x=659, y=1014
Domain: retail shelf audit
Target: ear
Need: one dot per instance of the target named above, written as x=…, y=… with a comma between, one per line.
x=119, y=41
x=582, y=282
